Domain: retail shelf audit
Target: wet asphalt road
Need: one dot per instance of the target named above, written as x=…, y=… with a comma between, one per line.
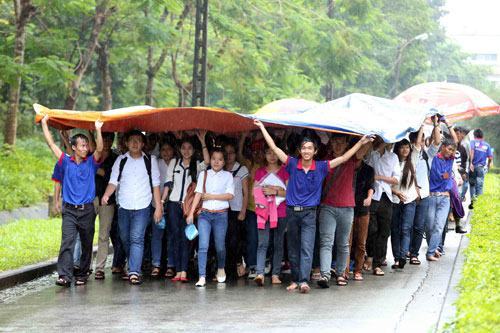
x=409, y=300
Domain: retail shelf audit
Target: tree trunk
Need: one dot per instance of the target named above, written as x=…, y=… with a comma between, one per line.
x=106, y=80
x=24, y=10
x=101, y=13
x=331, y=8
x=150, y=78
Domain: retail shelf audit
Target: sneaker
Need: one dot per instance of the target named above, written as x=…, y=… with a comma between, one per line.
x=201, y=282
x=267, y=269
x=252, y=274
x=221, y=275
x=259, y=280
x=323, y=282
x=471, y=206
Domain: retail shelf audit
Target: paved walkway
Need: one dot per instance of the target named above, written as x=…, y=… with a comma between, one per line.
x=39, y=211
x=416, y=299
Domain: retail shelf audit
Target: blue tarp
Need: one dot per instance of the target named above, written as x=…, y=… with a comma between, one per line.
x=355, y=113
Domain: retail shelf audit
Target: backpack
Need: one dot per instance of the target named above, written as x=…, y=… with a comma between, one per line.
x=147, y=162
x=190, y=194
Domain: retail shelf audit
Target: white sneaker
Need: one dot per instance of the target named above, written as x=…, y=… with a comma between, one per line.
x=221, y=275
x=201, y=282
x=252, y=274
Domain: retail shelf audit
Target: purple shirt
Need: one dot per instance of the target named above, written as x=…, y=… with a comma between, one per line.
x=482, y=151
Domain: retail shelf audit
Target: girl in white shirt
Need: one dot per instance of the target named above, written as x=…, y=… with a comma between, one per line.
x=215, y=195
x=180, y=173
x=404, y=203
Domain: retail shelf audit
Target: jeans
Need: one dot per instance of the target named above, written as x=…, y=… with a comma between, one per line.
x=278, y=236
x=476, y=181
x=252, y=239
x=301, y=235
x=180, y=244
x=437, y=214
x=206, y=222
x=379, y=229
x=105, y=220
x=419, y=224
x=235, y=243
x=465, y=188
x=358, y=237
x=335, y=224
x=133, y=225
x=401, y=227
x=156, y=244
x=76, y=222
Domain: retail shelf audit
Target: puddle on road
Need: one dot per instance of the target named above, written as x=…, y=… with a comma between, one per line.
x=10, y=295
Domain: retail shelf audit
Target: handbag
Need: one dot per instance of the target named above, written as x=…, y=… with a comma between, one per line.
x=189, y=199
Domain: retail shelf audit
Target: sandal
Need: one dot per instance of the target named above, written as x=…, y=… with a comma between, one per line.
x=396, y=264
x=377, y=271
x=304, y=288
x=155, y=272
x=170, y=273
x=414, y=261
x=80, y=282
x=116, y=270
x=292, y=286
x=99, y=275
x=61, y=281
x=342, y=281
x=134, y=279
x=358, y=277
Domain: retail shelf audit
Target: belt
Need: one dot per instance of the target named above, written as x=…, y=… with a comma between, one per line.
x=79, y=207
x=301, y=208
x=440, y=194
x=214, y=210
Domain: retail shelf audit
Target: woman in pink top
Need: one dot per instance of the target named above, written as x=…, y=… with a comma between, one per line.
x=272, y=166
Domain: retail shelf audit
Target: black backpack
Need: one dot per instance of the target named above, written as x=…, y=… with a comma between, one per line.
x=147, y=162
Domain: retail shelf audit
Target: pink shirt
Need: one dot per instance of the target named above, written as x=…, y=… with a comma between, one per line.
x=283, y=175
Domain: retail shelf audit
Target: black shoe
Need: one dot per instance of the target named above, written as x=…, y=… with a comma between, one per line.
x=323, y=282
x=471, y=206
x=460, y=230
x=402, y=263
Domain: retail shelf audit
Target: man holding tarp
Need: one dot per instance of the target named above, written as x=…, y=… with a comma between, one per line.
x=78, y=193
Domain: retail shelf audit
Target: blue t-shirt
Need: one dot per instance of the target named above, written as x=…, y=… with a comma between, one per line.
x=441, y=166
x=304, y=189
x=78, y=185
x=482, y=151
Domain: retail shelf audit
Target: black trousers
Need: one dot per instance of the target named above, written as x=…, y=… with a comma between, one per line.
x=76, y=221
x=379, y=229
x=235, y=244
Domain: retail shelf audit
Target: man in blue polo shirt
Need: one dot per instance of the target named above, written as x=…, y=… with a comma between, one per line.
x=78, y=193
x=480, y=156
x=303, y=196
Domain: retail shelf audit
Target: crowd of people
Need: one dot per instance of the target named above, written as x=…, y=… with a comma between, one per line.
x=315, y=205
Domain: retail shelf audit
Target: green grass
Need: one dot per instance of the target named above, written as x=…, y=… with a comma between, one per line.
x=27, y=242
x=478, y=306
x=25, y=174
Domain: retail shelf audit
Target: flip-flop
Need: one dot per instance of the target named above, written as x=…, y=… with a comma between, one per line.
x=377, y=271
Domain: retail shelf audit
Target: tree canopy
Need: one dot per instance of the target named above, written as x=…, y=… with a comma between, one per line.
x=94, y=55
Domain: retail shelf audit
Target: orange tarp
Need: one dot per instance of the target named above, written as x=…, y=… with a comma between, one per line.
x=149, y=119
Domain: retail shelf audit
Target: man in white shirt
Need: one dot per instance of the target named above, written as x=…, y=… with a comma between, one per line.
x=139, y=179
x=387, y=173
